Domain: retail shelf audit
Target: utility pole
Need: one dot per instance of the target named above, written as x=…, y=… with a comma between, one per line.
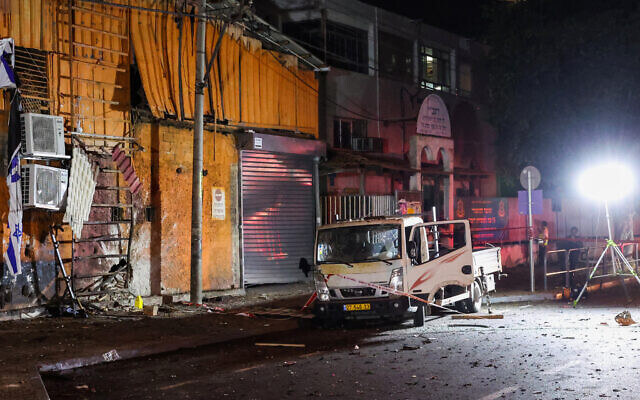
x=196, y=189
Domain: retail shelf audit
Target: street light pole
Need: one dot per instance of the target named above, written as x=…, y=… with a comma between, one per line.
x=531, y=264
x=196, y=187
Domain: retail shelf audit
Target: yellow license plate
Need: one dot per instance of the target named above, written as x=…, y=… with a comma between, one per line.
x=357, y=307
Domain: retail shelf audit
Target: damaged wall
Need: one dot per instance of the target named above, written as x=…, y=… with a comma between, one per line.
x=250, y=87
x=161, y=252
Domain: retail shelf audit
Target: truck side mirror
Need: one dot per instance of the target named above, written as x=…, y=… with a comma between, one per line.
x=304, y=266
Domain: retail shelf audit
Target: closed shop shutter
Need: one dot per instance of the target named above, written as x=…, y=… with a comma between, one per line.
x=278, y=215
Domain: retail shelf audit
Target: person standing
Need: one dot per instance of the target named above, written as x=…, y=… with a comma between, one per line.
x=543, y=242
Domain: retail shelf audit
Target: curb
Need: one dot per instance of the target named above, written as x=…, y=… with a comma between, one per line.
x=144, y=350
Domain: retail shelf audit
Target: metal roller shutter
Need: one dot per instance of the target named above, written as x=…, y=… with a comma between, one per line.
x=278, y=215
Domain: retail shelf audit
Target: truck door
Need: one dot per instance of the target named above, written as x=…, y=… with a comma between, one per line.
x=441, y=255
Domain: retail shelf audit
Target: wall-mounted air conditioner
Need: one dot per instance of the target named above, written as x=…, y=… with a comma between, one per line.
x=42, y=135
x=43, y=187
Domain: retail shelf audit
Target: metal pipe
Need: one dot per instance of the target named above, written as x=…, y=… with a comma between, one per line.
x=196, y=188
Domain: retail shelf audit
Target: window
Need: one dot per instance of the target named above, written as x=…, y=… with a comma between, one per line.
x=437, y=241
x=31, y=69
x=434, y=69
x=345, y=130
x=396, y=57
x=358, y=243
x=465, y=83
x=347, y=47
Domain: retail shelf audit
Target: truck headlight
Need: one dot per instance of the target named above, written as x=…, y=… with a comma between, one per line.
x=321, y=286
x=395, y=282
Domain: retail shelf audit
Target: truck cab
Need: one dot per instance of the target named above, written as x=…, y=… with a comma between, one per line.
x=380, y=267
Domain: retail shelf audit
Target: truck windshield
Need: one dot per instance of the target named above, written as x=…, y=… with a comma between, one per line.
x=359, y=243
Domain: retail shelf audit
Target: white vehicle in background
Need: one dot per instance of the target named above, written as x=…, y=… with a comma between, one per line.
x=356, y=261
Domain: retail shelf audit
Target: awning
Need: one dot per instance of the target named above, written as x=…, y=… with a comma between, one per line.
x=349, y=161
x=456, y=172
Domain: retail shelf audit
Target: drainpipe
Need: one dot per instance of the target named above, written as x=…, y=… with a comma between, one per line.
x=316, y=190
x=196, y=187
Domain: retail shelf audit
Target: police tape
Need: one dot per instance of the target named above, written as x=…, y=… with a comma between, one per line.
x=381, y=288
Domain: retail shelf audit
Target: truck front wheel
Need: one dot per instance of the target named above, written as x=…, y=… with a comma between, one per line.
x=474, y=303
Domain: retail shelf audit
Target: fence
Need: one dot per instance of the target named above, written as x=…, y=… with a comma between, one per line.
x=356, y=206
x=576, y=264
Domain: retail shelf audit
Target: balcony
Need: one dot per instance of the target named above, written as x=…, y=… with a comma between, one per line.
x=367, y=144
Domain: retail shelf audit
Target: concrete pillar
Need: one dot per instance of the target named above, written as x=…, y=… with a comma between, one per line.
x=449, y=194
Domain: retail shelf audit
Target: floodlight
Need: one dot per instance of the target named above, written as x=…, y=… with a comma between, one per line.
x=610, y=181
x=606, y=182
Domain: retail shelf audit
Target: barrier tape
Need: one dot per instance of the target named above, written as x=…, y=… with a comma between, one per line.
x=383, y=288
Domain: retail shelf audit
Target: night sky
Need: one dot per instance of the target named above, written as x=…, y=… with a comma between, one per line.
x=464, y=17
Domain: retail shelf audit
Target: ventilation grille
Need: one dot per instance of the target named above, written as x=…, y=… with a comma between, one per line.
x=24, y=181
x=47, y=187
x=44, y=134
x=31, y=68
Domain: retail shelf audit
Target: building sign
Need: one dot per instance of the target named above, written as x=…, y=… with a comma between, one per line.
x=433, y=118
x=488, y=217
x=217, y=203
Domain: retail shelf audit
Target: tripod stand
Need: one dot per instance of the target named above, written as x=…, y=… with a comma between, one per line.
x=615, y=252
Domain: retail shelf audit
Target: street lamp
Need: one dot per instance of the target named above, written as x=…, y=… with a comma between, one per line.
x=607, y=182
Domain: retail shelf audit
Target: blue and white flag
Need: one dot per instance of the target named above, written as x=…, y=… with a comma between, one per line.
x=7, y=76
x=12, y=256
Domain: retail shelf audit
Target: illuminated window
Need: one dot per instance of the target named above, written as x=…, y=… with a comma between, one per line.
x=434, y=69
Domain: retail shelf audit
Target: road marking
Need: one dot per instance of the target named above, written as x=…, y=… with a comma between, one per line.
x=249, y=368
x=177, y=385
x=561, y=367
x=500, y=393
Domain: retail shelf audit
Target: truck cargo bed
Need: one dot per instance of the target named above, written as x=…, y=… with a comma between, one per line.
x=489, y=259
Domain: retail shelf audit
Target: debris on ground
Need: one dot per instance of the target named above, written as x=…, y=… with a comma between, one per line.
x=624, y=319
x=410, y=347
x=279, y=344
x=150, y=311
x=473, y=316
x=244, y=314
x=288, y=363
x=467, y=326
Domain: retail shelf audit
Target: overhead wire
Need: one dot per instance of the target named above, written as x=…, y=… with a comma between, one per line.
x=255, y=32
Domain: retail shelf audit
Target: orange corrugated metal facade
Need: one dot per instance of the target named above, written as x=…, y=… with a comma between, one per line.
x=249, y=86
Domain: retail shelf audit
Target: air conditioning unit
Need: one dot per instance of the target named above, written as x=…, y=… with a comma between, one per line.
x=43, y=187
x=42, y=135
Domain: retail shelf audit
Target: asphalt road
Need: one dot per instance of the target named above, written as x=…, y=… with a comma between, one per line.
x=538, y=351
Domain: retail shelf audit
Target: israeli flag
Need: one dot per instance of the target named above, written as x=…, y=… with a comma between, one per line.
x=7, y=77
x=12, y=256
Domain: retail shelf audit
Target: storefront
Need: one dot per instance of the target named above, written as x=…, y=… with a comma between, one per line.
x=278, y=201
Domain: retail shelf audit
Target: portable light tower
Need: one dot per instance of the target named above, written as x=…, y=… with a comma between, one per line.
x=607, y=182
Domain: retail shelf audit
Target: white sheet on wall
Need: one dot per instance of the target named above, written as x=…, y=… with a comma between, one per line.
x=82, y=186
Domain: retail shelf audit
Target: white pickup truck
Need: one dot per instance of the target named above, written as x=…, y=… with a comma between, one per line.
x=356, y=260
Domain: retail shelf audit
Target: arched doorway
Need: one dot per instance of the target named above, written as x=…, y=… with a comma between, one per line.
x=434, y=183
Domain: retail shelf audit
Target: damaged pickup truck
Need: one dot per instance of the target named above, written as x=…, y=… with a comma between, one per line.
x=356, y=261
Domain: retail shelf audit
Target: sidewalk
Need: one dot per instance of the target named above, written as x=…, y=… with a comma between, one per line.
x=56, y=344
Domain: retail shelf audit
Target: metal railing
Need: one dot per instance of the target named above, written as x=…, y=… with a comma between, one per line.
x=347, y=207
x=579, y=261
